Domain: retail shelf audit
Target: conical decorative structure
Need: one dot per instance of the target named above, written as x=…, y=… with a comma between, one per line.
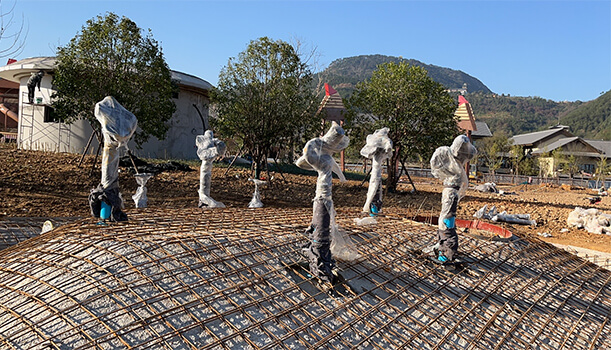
x=332, y=107
x=464, y=113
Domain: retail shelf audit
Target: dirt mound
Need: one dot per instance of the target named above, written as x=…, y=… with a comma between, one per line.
x=43, y=184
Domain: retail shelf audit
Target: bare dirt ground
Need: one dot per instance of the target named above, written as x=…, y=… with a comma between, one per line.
x=43, y=184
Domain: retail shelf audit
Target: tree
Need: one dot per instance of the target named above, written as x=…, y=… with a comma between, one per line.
x=602, y=169
x=111, y=56
x=264, y=100
x=11, y=37
x=559, y=161
x=517, y=156
x=494, y=150
x=417, y=110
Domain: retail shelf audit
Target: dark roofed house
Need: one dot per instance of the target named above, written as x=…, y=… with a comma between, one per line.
x=540, y=139
x=604, y=146
x=558, y=138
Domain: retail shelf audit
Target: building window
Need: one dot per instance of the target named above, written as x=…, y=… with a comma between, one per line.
x=588, y=168
x=49, y=115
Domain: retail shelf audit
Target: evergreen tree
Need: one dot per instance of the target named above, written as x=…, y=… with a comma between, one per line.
x=417, y=110
x=264, y=100
x=111, y=56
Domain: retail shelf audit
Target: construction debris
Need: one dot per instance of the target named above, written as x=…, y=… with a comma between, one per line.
x=487, y=187
x=592, y=220
x=493, y=215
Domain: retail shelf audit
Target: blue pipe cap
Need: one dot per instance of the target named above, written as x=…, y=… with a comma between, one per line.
x=374, y=210
x=105, y=211
x=450, y=222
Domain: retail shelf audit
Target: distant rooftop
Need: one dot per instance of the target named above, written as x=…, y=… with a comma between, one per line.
x=482, y=130
x=17, y=70
x=533, y=137
x=604, y=146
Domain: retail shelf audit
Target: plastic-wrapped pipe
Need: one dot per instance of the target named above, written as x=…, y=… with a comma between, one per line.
x=140, y=198
x=255, y=202
x=208, y=149
x=378, y=148
x=326, y=241
x=447, y=164
x=117, y=126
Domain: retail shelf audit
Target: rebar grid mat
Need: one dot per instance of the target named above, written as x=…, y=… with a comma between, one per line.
x=220, y=279
x=17, y=229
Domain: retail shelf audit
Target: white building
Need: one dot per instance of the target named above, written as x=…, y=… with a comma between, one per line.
x=38, y=131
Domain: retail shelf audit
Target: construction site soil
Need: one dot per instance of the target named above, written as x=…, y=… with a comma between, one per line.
x=46, y=184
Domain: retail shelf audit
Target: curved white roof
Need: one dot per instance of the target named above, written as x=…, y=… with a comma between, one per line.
x=190, y=80
x=16, y=70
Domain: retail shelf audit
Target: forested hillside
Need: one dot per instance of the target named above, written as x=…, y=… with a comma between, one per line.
x=518, y=115
x=343, y=74
x=512, y=115
x=592, y=120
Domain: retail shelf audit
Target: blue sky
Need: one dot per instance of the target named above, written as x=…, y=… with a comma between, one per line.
x=558, y=50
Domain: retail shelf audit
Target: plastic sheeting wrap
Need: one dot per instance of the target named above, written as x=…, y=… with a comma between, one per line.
x=255, y=202
x=448, y=165
x=208, y=149
x=117, y=126
x=317, y=155
x=592, y=220
x=140, y=198
x=378, y=148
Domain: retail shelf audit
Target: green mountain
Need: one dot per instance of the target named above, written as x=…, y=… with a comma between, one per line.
x=518, y=115
x=515, y=115
x=512, y=115
x=344, y=73
x=592, y=120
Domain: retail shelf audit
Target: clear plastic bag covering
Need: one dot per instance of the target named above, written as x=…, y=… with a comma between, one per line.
x=449, y=202
x=47, y=226
x=342, y=247
x=117, y=125
x=255, y=202
x=448, y=163
x=592, y=220
x=368, y=220
x=140, y=198
x=378, y=148
x=208, y=149
x=317, y=155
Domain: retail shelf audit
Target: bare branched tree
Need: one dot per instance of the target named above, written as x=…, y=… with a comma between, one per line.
x=12, y=34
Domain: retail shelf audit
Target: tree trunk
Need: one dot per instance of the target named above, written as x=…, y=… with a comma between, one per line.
x=392, y=167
